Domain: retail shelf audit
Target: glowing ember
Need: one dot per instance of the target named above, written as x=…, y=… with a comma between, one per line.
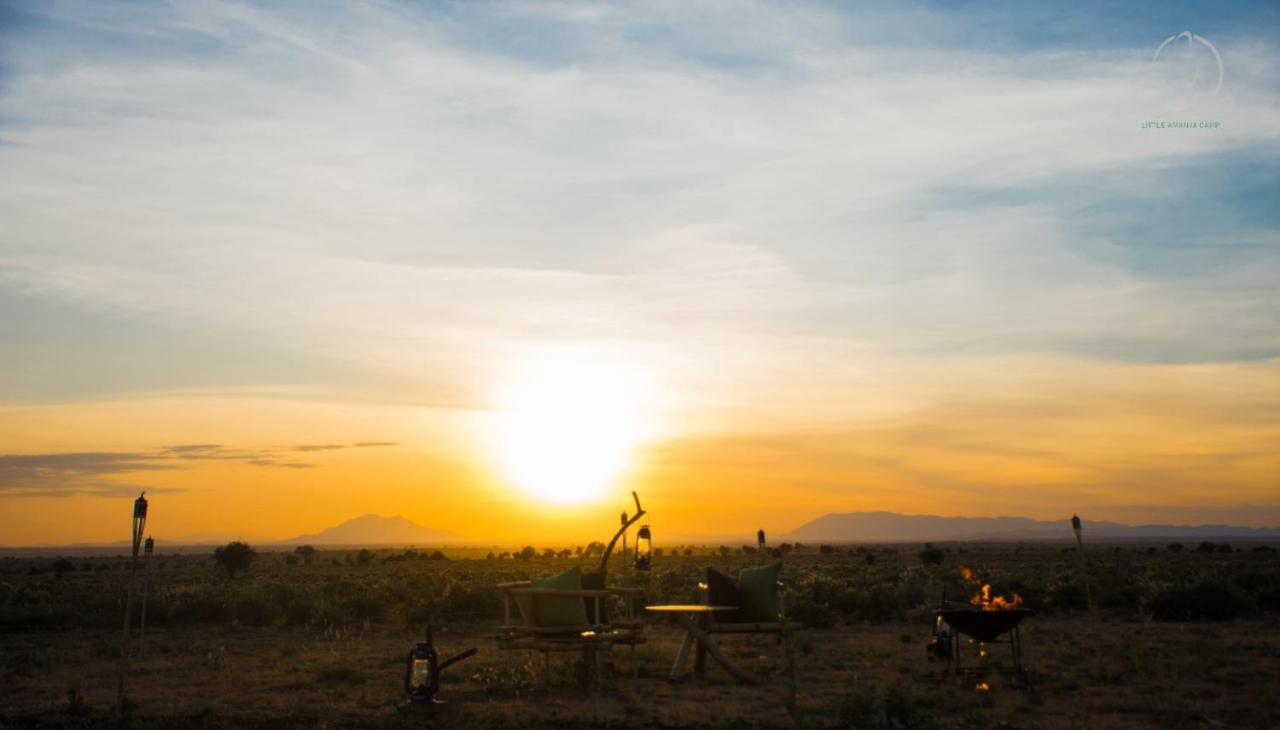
x=983, y=687
x=983, y=598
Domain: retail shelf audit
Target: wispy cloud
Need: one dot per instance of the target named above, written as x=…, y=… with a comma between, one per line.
x=94, y=473
x=416, y=185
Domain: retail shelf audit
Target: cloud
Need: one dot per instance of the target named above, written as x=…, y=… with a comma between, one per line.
x=59, y=474
x=421, y=200
x=48, y=475
x=334, y=447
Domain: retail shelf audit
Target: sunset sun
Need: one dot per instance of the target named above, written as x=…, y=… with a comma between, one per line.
x=568, y=424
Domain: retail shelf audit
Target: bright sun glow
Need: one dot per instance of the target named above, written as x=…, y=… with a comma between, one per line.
x=568, y=426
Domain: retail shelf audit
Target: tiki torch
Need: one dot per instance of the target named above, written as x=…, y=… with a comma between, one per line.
x=139, y=524
x=1078, y=526
x=148, y=547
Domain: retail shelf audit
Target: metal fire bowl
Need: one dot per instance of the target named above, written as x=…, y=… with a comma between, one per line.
x=984, y=625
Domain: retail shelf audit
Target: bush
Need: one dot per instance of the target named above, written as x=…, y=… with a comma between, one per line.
x=874, y=708
x=234, y=557
x=252, y=608
x=812, y=614
x=1210, y=600
x=1069, y=596
x=61, y=567
x=931, y=555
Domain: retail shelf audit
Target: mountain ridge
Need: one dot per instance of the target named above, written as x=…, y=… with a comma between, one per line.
x=373, y=529
x=880, y=526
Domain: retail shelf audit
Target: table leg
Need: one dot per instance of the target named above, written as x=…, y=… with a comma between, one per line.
x=700, y=654
x=681, y=656
x=705, y=641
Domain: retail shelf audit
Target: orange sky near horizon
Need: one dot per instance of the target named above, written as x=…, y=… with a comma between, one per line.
x=1180, y=444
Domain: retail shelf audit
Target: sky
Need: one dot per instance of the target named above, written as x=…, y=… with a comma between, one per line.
x=491, y=266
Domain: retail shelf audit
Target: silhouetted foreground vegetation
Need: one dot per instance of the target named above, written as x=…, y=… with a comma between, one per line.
x=1179, y=638
x=826, y=586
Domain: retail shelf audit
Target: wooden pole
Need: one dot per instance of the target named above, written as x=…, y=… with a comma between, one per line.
x=1078, y=526
x=139, y=523
x=148, y=547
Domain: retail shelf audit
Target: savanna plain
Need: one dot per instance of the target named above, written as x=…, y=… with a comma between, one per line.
x=1132, y=635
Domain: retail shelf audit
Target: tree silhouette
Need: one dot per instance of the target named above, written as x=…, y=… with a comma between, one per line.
x=61, y=567
x=307, y=552
x=234, y=557
x=931, y=555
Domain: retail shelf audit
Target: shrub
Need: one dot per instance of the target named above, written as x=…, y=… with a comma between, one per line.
x=1068, y=596
x=234, y=557
x=812, y=614
x=931, y=555
x=874, y=708
x=61, y=567
x=252, y=608
x=1211, y=600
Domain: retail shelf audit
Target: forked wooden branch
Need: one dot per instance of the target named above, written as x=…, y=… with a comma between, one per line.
x=604, y=559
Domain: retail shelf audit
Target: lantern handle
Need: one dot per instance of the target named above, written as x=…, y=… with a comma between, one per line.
x=456, y=658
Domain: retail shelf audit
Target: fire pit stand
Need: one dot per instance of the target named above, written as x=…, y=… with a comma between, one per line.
x=984, y=627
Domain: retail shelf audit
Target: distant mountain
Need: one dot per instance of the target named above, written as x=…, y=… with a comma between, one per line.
x=378, y=530
x=894, y=527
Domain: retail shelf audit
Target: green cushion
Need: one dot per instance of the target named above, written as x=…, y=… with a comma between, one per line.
x=549, y=611
x=758, y=593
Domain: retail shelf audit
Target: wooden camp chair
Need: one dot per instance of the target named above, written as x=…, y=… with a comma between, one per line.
x=520, y=630
x=610, y=616
x=780, y=627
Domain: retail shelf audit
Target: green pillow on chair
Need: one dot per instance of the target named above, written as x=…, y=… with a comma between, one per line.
x=549, y=611
x=758, y=593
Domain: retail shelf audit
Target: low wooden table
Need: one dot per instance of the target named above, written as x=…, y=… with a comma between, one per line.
x=695, y=619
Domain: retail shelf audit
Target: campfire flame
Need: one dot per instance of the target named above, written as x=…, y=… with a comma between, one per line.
x=983, y=687
x=983, y=598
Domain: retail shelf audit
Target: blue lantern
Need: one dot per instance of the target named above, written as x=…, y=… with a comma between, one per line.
x=422, y=669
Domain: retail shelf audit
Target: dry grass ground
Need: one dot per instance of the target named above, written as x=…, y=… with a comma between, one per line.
x=290, y=644
x=1089, y=672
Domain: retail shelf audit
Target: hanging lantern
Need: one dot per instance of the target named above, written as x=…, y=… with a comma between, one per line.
x=644, y=549
x=422, y=671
